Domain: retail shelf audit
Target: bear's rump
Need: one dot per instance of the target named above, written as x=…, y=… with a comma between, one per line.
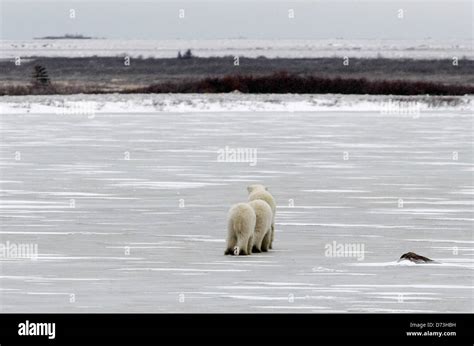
x=242, y=220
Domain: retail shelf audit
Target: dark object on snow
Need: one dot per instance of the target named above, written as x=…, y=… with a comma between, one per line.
x=65, y=37
x=415, y=258
x=40, y=76
x=187, y=55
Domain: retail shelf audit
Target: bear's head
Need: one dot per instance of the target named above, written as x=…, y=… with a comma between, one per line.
x=256, y=187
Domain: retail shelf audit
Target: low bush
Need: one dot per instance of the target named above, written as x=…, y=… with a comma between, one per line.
x=282, y=82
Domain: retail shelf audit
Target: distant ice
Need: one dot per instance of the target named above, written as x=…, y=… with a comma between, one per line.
x=416, y=49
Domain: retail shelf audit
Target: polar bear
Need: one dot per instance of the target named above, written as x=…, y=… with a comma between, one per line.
x=258, y=191
x=263, y=226
x=240, y=229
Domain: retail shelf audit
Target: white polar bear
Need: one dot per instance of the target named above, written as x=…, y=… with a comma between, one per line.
x=240, y=229
x=258, y=191
x=263, y=226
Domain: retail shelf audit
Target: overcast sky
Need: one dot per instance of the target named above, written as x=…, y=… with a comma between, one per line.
x=257, y=19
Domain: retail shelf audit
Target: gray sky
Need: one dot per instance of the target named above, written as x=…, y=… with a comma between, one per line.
x=257, y=19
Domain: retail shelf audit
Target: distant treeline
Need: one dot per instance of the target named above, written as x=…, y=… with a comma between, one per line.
x=277, y=83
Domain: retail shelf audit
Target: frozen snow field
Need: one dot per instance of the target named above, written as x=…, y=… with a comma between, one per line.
x=127, y=206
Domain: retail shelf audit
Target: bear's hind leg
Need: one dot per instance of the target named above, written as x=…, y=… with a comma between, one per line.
x=231, y=245
x=249, y=245
x=258, y=240
x=266, y=241
x=243, y=245
x=272, y=236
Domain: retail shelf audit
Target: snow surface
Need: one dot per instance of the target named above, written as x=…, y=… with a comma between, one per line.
x=128, y=207
x=411, y=106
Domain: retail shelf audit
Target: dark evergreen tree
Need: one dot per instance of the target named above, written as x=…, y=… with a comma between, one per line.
x=188, y=54
x=40, y=76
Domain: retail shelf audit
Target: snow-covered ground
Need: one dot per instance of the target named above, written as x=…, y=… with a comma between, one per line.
x=417, y=49
x=127, y=206
x=235, y=102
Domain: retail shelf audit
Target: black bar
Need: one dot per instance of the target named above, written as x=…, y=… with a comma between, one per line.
x=241, y=329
